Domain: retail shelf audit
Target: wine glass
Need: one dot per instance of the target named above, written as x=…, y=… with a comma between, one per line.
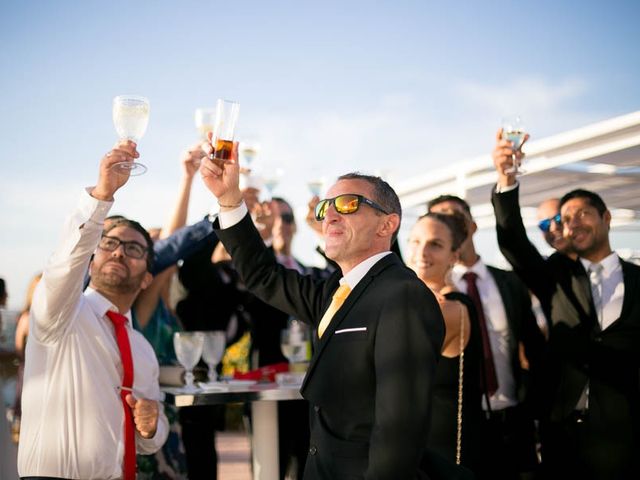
x=130, y=119
x=271, y=180
x=204, y=119
x=294, y=342
x=513, y=129
x=212, y=351
x=315, y=186
x=248, y=152
x=188, y=347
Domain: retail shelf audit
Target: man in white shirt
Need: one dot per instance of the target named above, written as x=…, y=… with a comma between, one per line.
x=380, y=329
x=91, y=399
x=591, y=395
x=512, y=338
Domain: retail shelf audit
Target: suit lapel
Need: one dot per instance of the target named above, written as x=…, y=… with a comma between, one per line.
x=631, y=280
x=341, y=314
x=502, y=282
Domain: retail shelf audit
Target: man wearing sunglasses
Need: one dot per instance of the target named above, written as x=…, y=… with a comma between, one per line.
x=550, y=224
x=590, y=417
x=370, y=377
x=91, y=397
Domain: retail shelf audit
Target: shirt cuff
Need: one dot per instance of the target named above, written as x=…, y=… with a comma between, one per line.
x=93, y=209
x=501, y=189
x=229, y=218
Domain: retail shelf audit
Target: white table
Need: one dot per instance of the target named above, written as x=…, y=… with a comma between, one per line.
x=264, y=413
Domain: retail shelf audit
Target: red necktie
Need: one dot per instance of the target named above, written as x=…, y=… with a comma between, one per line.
x=490, y=377
x=122, y=337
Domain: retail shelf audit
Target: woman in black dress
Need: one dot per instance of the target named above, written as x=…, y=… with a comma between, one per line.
x=454, y=432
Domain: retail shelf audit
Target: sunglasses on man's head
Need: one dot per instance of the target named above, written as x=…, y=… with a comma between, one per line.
x=545, y=225
x=344, y=204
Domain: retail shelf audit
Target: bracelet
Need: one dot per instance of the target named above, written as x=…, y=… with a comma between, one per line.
x=231, y=206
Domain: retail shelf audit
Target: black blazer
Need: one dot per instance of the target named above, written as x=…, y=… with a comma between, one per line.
x=522, y=328
x=370, y=378
x=579, y=351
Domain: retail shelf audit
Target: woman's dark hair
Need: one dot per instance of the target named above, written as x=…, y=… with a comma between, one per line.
x=456, y=224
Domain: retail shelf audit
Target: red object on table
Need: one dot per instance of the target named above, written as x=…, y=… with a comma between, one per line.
x=263, y=374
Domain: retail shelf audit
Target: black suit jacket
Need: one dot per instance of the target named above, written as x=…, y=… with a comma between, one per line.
x=522, y=328
x=369, y=381
x=579, y=352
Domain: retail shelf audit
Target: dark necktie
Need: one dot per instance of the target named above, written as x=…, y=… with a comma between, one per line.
x=122, y=337
x=490, y=377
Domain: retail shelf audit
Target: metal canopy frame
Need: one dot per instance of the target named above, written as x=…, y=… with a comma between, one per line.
x=603, y=157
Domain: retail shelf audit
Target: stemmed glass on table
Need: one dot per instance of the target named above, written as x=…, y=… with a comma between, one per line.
x=212, y=351
x=130, y=119
x=513, y=129
x=188, y=347
x=294, y=342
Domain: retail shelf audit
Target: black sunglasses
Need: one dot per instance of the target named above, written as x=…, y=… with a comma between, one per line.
x=545, y=225
x=131, y=249
x=345, y=204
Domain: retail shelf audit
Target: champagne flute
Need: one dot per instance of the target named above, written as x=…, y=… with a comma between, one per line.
x=188, y=347
x=212, y=351
x=130, y=119
x=204, y=120
x=513, y=129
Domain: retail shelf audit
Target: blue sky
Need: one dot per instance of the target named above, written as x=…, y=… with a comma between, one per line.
x=394, y=86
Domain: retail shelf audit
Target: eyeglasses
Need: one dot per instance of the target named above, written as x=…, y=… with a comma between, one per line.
x=288, y=218
x=545, y=225
x=131, y=249
x=344, y=204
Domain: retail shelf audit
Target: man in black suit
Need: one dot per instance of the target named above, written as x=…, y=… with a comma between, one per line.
x=592, y=416
x=512, y=343
x=369, y=380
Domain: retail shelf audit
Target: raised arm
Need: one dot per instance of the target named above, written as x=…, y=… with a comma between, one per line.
x=56, y=298
x=514, y=243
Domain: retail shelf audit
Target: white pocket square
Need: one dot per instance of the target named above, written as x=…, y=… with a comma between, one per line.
x=348, y=330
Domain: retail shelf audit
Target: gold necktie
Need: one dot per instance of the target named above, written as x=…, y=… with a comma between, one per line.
x=338, y=299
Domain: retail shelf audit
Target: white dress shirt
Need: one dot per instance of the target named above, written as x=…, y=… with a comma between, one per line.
x=498, y=329
x=72, y=413
x=612, y=288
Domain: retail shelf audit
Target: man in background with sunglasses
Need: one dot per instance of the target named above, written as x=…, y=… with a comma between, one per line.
x=91, y=397
x=379, y=329
x=550, y=224
x=590, y=421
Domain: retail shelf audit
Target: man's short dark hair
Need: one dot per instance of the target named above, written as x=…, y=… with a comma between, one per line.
x=449, y=198
x=383, y=194
x=592, y=199
x=125, y=222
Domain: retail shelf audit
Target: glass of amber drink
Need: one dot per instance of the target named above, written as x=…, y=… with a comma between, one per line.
x=224, y=129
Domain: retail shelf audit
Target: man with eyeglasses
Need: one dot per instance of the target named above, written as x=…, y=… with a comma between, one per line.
x=591, y=397
x=379, y=329
x=91, y=398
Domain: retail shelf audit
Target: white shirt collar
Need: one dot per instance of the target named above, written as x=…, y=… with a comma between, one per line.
x=479, y=268
x=610, y=263
x=101, y=305
x=359, y=271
